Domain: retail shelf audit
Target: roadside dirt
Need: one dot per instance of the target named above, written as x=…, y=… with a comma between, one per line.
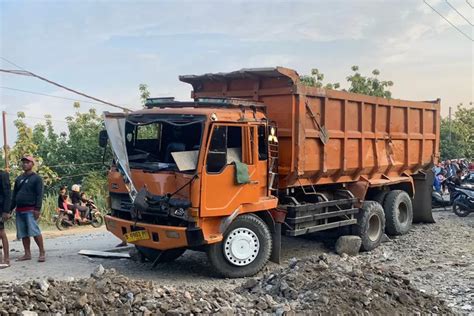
x=435, y=259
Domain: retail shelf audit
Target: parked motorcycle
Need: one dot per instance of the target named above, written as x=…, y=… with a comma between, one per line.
x=438, y=200
x=66, y=219
x=463, y=204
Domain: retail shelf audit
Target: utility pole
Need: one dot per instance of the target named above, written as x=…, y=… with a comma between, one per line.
x=449, y=118
x=5, y=144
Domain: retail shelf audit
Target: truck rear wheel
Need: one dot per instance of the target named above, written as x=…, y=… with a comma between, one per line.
x=398, y=212
x=370, y=225
x=165, y=255
x=244, y=250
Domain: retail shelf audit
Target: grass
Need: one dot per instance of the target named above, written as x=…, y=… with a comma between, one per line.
x=48, y=211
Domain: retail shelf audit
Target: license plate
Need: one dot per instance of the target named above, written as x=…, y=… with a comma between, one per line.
x=136, y=236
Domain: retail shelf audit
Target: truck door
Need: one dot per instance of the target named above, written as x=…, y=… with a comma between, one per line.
x=228, y=144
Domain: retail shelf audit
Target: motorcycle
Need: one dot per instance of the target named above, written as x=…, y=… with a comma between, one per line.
x=66, y=218
x=438, y=200
x=463, y=204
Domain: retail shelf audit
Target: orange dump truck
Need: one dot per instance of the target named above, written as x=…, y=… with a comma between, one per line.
x=258, y=155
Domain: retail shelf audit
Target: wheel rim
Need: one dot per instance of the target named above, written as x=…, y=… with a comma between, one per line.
x=459, y=210
x=241, y=246
x=402, y=213
x=375, y=228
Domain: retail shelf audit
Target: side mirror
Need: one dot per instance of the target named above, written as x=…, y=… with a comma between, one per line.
x=103, y=137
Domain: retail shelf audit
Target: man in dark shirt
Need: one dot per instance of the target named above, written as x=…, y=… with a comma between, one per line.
x=27, y=200
x=458, y=178
x=5, y=200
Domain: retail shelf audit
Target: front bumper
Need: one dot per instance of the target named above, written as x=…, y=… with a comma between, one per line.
x=161, y=237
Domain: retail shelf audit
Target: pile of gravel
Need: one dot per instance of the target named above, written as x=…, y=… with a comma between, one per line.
x=320, y=284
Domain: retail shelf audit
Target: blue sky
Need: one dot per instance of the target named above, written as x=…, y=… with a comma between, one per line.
x=108, y=48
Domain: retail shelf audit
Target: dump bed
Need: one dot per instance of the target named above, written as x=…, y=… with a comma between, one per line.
x=329, y=136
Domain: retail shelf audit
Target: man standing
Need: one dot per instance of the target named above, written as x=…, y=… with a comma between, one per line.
x=451, y=169
x=27, y=199
x=5, y=201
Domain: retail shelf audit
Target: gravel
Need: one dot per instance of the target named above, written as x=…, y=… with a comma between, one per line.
x=438, y=259
x=432, y=264
x=325, y=284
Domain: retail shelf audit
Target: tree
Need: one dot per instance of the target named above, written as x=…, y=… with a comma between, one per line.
x=316, y=80
x=144, y=93
x=457, y=135
x=26, y=145
x=369, y=85
x=358, y=83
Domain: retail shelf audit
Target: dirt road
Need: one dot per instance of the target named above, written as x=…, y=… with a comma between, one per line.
x=438, y=259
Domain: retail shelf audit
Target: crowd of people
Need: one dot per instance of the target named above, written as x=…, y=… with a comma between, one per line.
x=454, y=169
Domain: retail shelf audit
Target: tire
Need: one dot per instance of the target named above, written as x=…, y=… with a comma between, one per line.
x=398, y=212
x=166, y=255
x=459, y=210
x=370, y=225
x=97, y=220
x=60, y=224
x=247, y=232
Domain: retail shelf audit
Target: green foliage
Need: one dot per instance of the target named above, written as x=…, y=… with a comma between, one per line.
x=369, y=85
x=28, y=143
x=144, y=93
x=358, y=83
x=95, y=183
x=316, y=80
x=457, y=136
x=66, y=158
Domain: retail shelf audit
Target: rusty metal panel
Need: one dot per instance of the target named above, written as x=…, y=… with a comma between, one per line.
x=368, y=137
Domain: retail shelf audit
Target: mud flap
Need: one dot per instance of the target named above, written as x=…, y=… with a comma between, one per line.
x=276, y=246
x=422, y=200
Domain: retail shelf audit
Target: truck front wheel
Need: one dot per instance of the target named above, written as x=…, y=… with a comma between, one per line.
x=244, y=250
x=398, y=212
x=370, y=225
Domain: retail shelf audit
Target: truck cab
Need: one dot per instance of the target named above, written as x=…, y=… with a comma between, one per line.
x=195, y=167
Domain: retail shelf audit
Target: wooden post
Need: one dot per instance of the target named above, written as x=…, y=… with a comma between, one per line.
x=5, y=144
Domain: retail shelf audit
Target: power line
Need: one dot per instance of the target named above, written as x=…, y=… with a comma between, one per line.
x=458, y=29
x=76, y=175
x=459, y=13
x=11, y=63
x=76, y=165
x=31, y=74
x=470, y=4
x=49, y=95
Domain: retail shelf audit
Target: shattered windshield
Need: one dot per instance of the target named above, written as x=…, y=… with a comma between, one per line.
x=163, y=144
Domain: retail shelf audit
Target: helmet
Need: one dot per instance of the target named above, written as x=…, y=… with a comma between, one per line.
x=76, y=188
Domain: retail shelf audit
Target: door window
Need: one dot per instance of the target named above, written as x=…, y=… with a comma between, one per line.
x=225, y=148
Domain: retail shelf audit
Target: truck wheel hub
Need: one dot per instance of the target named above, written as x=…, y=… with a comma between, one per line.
x=241, y=246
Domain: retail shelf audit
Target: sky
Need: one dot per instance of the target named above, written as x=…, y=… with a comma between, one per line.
x=107, y=48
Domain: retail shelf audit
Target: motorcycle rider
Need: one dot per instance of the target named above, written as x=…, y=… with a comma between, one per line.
x=64, y=203
x=77, y=202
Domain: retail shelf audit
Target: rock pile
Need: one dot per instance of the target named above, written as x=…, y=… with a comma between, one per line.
x=320, y=284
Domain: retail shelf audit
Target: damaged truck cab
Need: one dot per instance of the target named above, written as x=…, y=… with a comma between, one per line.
x=199, y=165
x=257, y=155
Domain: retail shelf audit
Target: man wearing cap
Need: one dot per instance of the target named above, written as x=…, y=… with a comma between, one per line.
x=27, y=199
